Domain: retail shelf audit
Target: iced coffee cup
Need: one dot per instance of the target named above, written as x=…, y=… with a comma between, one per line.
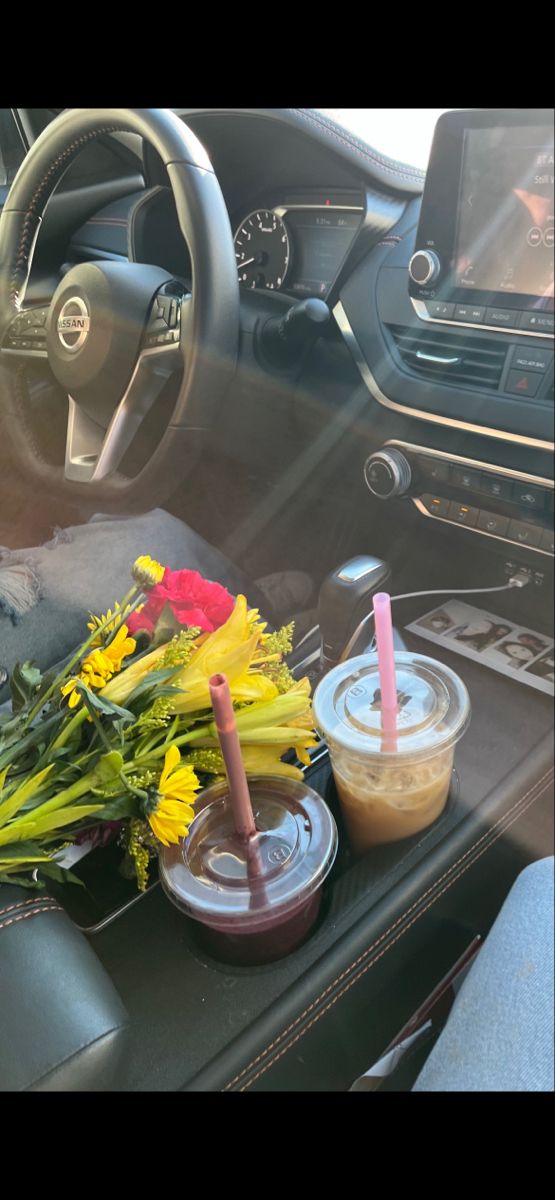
x=256, y=898
x=391, y=787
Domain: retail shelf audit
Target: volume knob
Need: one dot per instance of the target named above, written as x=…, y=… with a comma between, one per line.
x=424, y=267
x=387, y=474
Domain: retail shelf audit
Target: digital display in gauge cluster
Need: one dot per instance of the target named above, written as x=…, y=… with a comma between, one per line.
x=295, y=248
x=321, y=239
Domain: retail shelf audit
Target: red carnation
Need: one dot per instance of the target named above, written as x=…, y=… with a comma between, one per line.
x=193, y=600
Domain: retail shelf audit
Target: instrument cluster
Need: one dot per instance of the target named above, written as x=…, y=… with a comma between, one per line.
x=297, y=246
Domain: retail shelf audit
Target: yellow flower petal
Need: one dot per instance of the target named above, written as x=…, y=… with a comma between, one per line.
x=147, y=572
x=266, y=760
x=171, y=760
x=119, y=689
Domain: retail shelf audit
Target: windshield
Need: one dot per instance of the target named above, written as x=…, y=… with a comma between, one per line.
x=404, y=134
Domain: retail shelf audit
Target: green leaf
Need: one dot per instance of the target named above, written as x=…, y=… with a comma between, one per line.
x=21, y=830
x=21, y=880
x=27, y=791
x=46, y=681
x=105, y=707
x=166, y=627
x=120, y=807
x=148, y=685
x=53, y=870
x=16, y=745
x=109, y=766
x=24, y=684
x=29, y=849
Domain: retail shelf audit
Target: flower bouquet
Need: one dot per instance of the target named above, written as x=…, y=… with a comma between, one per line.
x=121, y=737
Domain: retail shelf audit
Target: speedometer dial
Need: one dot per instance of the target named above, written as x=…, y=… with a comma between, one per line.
x=262, y=250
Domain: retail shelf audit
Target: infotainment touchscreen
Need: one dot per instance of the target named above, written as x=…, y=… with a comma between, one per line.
x=505, y=213
x=484, y=246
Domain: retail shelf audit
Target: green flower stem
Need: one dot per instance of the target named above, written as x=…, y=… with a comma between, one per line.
x=68, y=795
x=183, y=740
x=20, y=744
x=106, y=743
x=171, y=731
x=73, y=724
x=133, y=596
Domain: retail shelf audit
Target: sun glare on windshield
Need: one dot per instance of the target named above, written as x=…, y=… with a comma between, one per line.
x=404, y=134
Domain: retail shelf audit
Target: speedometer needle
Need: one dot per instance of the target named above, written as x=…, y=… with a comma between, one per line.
x=246, y=263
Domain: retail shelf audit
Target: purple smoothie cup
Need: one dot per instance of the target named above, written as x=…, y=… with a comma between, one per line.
x=254, y=899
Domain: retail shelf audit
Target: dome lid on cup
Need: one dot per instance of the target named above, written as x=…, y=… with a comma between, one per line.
x=218, y=878
x=433, y=706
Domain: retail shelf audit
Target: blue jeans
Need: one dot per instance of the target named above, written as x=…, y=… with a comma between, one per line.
x=499, y=1036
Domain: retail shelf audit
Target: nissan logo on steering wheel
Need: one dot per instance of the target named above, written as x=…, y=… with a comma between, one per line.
x=73, y=324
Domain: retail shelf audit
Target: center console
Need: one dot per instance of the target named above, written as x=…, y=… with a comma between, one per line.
x=508, y=505
x=450, y=322
x=317, y=1018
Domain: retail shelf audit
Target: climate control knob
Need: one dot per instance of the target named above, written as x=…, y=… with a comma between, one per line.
x=424, y=267
x=387, y=474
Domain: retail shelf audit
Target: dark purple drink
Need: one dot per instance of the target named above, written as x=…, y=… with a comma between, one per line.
x=255, y=899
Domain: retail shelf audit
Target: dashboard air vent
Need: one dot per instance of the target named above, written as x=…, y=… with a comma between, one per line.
x=451, y=357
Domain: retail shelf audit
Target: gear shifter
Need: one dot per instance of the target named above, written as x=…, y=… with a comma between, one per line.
x=345, y=599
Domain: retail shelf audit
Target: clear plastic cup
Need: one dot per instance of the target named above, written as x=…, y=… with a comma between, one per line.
x=255, y=900
x=391, y=789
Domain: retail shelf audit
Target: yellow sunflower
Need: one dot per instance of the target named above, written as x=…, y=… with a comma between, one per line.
x=119, y=648
x=99, y=666
x=113, y=617
x=173, y=814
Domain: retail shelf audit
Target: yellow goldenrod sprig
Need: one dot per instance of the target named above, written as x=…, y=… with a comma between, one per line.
x=280, y=642
x=140, y=845
x=180, y=649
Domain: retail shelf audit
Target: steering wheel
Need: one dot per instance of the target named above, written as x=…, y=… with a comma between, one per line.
x=114, y=333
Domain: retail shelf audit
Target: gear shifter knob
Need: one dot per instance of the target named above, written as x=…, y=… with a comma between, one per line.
x=346, y=597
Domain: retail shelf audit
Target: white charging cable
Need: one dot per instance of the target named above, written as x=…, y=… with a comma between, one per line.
x=519, y=580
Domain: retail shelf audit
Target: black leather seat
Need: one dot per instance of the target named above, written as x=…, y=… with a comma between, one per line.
x=63, y=1025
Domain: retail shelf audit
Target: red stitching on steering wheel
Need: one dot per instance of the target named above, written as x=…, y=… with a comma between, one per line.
x=47, y=185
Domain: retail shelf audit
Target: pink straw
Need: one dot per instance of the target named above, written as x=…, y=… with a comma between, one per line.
x=386, y=668
x=228, y=737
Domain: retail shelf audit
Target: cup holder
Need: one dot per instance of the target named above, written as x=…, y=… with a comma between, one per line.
x=388, y=856
x=347, y=859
